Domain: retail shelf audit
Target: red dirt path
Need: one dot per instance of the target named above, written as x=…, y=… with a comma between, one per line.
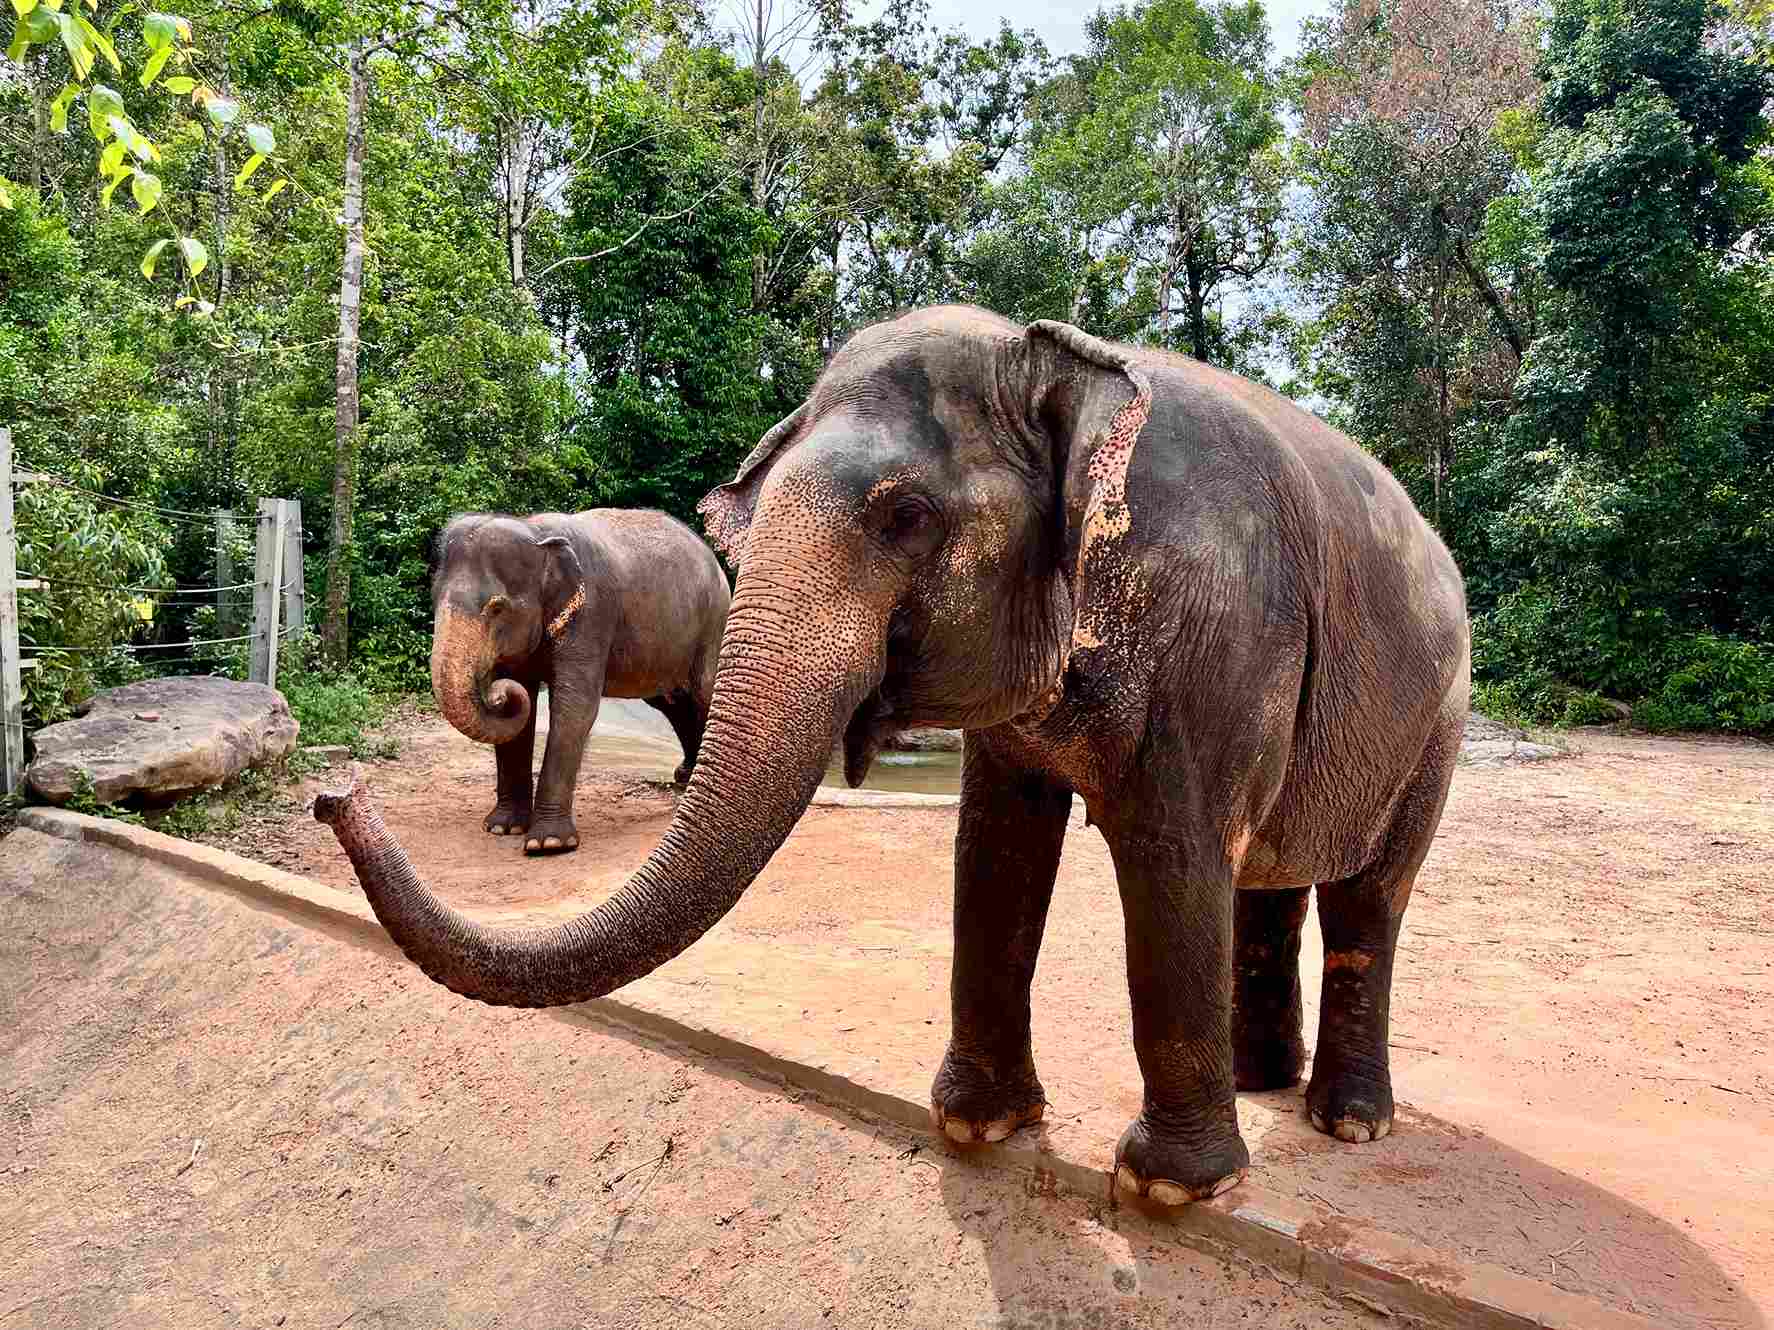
x=1586, y=988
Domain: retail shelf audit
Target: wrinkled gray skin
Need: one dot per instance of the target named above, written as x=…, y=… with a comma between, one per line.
x=605, y=603
x=1126, y=575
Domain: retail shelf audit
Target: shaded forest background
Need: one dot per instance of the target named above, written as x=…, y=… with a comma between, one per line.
x=584, y=252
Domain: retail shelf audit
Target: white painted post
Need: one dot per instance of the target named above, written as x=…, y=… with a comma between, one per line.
x=12, y=695
x=267, y=592
x=225, y=600
x=295, y=596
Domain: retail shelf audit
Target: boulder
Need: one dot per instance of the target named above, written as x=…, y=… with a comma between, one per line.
x=161, y=739
x=1489, y=743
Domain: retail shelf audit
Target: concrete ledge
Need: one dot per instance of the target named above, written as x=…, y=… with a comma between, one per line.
x=1329, y=1251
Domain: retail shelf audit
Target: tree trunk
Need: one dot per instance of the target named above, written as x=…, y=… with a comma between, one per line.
x=334, y=632
x=39, y=136
x=520, y=156
x=221, y=384
x=1197, y=313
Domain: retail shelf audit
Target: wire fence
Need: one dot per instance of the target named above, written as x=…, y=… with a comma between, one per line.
x=271, y=538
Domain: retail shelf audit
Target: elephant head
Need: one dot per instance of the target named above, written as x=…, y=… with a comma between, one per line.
x=907, y=544
x=500, y=584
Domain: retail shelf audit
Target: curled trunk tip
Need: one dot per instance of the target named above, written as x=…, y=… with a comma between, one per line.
x=333, y=807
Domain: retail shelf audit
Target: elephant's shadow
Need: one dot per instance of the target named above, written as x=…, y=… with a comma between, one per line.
x=1112, y=1255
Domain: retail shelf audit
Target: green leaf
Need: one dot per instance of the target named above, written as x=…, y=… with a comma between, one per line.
x=277, y=187
x=152, y=258
x=145, y=188
x=159, y=31
x=23, y=7
x=156, y=63
x=52, y=4
x=223, y=111
x=79, y=53
x=20, y=44
x=40, y=25
x=261, y=138
x=182, y=301
x=253, y=163
x=58, y=109
x=180, y=85
x=102, y=103
x=102, y=42
x=196, y=256
x=112, y=157
x=117, y=179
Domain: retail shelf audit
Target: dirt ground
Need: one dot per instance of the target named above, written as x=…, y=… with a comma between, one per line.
x=1586, y=987
x=214, y=1117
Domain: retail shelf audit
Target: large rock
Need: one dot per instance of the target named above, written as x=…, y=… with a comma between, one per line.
x=162, y=739
x=1489, y=743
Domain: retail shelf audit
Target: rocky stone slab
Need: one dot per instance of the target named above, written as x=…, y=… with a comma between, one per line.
x=162, y=739
x=1491, y=743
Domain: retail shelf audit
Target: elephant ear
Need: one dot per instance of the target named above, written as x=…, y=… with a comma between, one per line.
x=1107, y=399
x=565, y=586
x=727, y=509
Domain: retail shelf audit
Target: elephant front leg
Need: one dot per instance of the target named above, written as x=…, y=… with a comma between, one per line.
x=511, y=812
x=572, y=710
x=1176, y=897
x=1007, y=849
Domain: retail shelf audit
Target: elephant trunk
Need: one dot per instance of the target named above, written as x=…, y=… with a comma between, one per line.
x=487, y=710
x=796, y=661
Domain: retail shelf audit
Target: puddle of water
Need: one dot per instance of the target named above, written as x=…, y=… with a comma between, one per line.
x=631, y=738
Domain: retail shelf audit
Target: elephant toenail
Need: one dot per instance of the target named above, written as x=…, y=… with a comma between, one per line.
x=997, y=1131
x=957, y=1130
x=1319, y=1122
x=1228, y=1182
x=1356, y=1133
x=1168, y=1193
x=1127, y=1180
x=1382, y=1129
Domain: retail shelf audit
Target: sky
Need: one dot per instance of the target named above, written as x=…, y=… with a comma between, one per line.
x=1061, y=24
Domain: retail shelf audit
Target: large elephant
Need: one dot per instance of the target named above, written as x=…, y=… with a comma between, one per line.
x=1128, y=576
x=605, y=603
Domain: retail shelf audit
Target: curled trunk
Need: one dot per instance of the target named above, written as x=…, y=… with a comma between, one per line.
x=487, y=710
x=771, y=728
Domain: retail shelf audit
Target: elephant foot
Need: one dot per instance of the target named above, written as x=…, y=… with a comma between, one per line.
x=681, y=776
x=1169, y=1171
x=507, y=820
x=970, y=1106
x=1348, y=1106
x=552, y=835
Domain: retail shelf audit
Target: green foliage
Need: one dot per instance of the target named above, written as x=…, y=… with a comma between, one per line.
x=336, y=708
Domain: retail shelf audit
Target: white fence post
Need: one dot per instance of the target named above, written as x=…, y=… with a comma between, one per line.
x=295, y=595
x=12, y=695
x=267, y=591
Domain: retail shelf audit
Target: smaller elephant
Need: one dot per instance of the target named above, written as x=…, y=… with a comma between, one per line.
x=604, y=603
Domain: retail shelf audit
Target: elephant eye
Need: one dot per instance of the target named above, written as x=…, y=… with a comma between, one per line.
x=913, y=525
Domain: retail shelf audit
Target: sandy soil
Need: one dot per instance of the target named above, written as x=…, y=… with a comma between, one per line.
x=212, y=1117
x=1583, y=1018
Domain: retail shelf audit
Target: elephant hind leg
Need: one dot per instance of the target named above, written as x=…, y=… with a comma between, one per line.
x=1267, y=1048
x=1350, y=1094
x=687, y=717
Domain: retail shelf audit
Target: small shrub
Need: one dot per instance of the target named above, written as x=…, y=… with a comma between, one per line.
x=335, y=707
x=1536, y=698
x=1714, y=683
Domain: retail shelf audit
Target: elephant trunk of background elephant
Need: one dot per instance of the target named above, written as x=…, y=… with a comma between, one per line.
x=487, y=710
x=796, y=661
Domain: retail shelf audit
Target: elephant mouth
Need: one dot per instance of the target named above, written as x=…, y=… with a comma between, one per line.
x=871, y=725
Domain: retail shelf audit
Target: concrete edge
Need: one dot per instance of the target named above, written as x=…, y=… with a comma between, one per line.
x=1339, y=1256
